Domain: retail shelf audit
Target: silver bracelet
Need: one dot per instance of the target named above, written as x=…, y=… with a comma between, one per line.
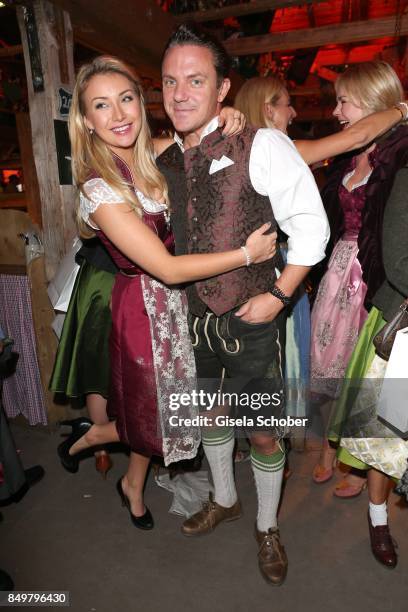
x=247, y=256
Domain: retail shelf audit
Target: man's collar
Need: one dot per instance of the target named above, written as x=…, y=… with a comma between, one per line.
x=209, y=128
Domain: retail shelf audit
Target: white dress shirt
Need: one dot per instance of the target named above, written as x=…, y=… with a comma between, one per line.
x=277, y=170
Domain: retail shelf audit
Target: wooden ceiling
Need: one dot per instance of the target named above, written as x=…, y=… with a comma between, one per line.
x=137, y=29
x=306, y=41
x=343, y=31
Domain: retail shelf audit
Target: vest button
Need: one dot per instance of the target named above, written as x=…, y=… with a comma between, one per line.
x=205, y=291
x=194, y=180
x=194, y=238
x=195, y=219
x=194, y=199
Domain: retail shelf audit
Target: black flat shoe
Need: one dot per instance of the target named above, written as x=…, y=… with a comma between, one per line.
x=79, y=428
x=141, y=522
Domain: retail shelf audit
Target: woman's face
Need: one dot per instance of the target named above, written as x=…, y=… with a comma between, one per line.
x=348, y=112
x=282, y=113
x=112, y=109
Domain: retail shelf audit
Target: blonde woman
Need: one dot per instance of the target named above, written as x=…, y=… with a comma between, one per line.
x=123, y=200
x=355, y=197
x=81, y=368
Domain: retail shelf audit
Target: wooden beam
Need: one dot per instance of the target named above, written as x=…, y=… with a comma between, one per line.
x=48, y=70
x=327, y=74
x=303, y=39
x=10, y=51
x=32, y=191
x=240, y=10
x=342, y=55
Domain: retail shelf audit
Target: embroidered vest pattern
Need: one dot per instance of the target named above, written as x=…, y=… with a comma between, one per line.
x=217, y=212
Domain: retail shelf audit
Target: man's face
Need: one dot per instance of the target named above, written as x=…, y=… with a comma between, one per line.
x=190, y=92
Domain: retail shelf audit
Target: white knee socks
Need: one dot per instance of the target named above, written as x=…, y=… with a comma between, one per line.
x=268, y=472
x=218, y=447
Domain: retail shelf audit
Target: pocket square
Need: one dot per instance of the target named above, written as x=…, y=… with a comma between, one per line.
x=219, y=164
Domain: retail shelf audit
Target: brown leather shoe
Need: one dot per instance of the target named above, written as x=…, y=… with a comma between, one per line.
x=382, y=544
x=272, y=559
x=209, y=517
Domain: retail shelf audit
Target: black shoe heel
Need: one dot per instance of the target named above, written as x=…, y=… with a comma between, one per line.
x=79, y=428
x=145, y=521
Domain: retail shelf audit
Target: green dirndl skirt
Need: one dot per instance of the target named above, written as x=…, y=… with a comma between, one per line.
x=82, y=361
x=357, y=369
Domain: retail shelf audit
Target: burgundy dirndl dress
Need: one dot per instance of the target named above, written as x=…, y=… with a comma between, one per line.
x=150, y=350
x=132, y=393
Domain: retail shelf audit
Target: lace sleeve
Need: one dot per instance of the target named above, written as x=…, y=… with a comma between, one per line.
x=98, y=192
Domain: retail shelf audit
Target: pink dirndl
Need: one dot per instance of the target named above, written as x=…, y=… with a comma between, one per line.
x=337, y=318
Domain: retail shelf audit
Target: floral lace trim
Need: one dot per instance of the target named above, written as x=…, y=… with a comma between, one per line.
x=174, y=367
x=149, y=205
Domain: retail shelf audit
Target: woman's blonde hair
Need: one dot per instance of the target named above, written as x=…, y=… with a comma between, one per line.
x=253, y=96
x=373, y=86
x=90, y=154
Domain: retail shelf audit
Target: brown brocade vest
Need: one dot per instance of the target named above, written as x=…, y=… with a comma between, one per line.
x=217, y=212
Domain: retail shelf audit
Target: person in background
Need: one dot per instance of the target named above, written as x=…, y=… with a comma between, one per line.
x=266, y=103
x=15, y=481
x=81, y=368
x=373, y=445
x=355, y=197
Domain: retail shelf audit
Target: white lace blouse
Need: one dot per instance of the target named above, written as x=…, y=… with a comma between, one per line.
x=99, y=192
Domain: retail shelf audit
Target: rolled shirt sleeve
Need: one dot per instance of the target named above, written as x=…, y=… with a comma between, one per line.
x=277, y=170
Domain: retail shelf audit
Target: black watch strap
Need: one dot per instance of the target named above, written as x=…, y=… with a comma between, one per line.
x=278, y=293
